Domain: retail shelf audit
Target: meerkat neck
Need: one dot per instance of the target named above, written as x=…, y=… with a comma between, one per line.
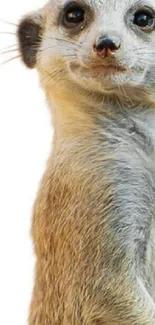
x=77, y=112
x=78, y=104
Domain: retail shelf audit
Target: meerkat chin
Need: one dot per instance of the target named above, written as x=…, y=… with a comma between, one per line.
x=93, y=223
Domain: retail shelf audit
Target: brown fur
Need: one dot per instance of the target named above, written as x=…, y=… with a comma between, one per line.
x=78, y=277
x=84, y=274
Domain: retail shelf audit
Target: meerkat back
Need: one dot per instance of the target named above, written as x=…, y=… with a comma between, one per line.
x=93, y=225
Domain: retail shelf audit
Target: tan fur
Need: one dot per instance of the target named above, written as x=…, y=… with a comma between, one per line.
x=69, y=245
x=73, y=242
x=83, y=275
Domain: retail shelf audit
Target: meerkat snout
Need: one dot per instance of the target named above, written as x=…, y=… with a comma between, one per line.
x=106, y=45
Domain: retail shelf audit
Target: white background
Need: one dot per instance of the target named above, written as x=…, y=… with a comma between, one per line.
x=25, y=139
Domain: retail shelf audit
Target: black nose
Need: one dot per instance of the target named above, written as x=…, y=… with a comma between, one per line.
x=106, y=45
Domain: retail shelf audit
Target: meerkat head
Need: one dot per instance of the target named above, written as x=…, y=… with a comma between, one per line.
x=94, y=43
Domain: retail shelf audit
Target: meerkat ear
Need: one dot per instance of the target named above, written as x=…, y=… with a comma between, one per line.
x=29, y=35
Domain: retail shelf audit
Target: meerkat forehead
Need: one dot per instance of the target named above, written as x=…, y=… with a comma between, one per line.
x=99, y=4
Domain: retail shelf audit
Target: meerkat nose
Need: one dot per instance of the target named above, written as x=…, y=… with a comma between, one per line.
x=106, y=46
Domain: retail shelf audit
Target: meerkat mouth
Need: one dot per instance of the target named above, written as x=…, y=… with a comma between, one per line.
x=110, y=68
x=102, y=70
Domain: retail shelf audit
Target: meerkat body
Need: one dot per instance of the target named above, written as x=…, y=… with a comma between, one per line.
x=94, y=217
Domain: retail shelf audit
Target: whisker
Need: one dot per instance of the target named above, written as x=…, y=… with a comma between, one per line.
x=145, y=53
x=61, y=51
x=148, y=53
x=42, y=79
x=69, y=56
x=65, y=41
x=124, y=93
x=15, y=57
x=8, y=47
x=8, y=22
x=143, y=61
x=45, y=78
x=8, y=33
x=139, y=48
x=57, y=81
x=48, y=80
x=69, y=52
x=9, y=51
x=61, y=55
x=51, y=76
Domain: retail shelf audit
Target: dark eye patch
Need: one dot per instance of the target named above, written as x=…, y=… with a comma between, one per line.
x=29, y=36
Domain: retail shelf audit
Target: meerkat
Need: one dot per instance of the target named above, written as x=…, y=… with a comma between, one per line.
x=93, y=222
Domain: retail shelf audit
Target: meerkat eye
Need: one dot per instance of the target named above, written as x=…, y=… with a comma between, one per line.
x=73, y=16
x=144, y=19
